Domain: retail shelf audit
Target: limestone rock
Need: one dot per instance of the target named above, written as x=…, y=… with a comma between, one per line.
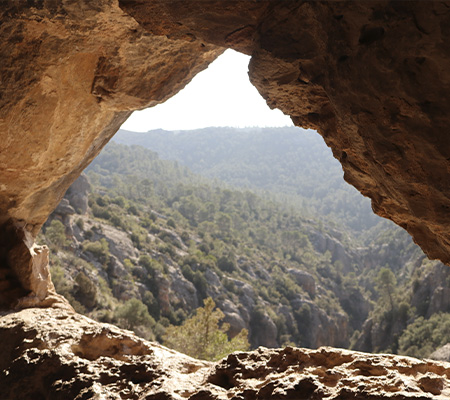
x=232, y=317
x=77, y=194
x=305, y=280
x=84, y=67
x=317, y=328
x=431, y=292
x=64, y=208
x=55, y=354
x=441, y=354
x=71, y=74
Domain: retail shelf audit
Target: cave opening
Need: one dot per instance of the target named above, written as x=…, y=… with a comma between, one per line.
x=371, y=77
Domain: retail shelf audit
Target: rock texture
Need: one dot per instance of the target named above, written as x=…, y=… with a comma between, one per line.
x=441, y=354
x=54, y=354
x=72, y=72
x=372, y=77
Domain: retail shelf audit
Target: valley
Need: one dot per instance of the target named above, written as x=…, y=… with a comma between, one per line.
x=263, y=224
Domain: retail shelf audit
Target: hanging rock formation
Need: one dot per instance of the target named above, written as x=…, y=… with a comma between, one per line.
x=71, y=74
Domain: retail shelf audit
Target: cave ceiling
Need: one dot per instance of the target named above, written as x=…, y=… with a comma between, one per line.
x=371, y=77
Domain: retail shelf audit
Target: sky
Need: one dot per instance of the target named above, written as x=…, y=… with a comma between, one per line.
x=221, y=95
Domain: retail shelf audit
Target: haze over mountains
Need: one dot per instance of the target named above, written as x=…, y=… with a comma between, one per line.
x=292, y=163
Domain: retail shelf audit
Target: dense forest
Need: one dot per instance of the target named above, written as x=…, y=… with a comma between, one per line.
x=286, y=250
x=291, y=164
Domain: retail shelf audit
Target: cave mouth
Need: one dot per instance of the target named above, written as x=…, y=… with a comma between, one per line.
x=372, y=79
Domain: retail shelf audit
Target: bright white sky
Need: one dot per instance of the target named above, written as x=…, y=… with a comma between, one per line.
x=222, y=95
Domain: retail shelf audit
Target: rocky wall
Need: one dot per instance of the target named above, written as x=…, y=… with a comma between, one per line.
x=71, y=73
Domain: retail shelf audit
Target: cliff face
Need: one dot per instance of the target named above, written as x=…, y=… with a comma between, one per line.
x=71, y=74
x=53, y=354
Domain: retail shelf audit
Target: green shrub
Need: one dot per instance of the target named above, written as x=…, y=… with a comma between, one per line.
x=99, y=249
x=133, y=210
x=87, y=292
x=120, y=201
x=150, y=264
x=101, y=201
x=56, y=234
x=80, y=223
x=132, y=314
x=202, y=336
x=226, y=263
x=117, y=221
x=100, y=212
x=136, y=240
x=422, y=337
x=167, y=249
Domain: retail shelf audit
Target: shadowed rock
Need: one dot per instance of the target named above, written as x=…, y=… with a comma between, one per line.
x=372, y=77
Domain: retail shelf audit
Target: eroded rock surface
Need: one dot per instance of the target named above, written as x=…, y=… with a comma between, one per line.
x=71, y=73
x=55, y=354
x=372, y=77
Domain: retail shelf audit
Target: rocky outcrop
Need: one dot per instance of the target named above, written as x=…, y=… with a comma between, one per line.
x=55, y=354
x=371, y=77
x=431, y=292
x=77, y=194
x=441, y=354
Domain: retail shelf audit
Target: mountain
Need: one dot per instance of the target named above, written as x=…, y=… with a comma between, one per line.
x=142, y=241
x=292, y=164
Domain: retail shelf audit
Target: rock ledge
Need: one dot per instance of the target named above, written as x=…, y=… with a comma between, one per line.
x=56, y=354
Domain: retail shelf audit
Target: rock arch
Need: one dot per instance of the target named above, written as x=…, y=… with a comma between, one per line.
x=372, y=77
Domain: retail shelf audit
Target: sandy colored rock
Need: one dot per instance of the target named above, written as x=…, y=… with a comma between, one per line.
x=55, y=354
x=442, y=353
x=71, y=73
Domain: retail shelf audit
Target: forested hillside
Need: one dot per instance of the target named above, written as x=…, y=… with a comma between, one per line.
x=147, y=241
x=290, y=163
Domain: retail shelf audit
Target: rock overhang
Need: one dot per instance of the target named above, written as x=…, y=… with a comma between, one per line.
x=372, y=77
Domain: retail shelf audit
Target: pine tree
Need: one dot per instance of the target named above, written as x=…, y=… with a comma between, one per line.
x=202, y=336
